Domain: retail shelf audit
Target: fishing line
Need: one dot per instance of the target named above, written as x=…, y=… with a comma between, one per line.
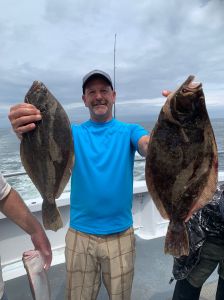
x=115, y=39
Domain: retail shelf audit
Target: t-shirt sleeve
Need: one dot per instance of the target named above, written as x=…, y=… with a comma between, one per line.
x=4, y=187
x=136, y=133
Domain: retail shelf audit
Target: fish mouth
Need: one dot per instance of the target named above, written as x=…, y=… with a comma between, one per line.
x=189, y=85
x=184, y=99
x=194, y=84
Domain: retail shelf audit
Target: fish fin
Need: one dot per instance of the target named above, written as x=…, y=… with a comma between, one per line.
x=211, y=186
x=153, y=192
x=67, y=173
x=51, y=216
x=177, y=241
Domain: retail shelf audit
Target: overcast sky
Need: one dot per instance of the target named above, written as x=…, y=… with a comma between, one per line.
x=159, y=43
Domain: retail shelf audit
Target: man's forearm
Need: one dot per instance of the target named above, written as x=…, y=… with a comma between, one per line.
x=143, y=145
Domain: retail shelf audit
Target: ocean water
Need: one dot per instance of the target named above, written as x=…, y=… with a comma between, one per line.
x=10, y=159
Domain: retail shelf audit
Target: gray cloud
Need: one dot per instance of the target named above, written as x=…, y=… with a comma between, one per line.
x=158, y=45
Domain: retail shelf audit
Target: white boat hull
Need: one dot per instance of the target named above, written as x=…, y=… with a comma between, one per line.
x=148, y=224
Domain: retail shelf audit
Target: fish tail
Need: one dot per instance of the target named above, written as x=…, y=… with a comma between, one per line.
x=51, y=216
x=177, y=241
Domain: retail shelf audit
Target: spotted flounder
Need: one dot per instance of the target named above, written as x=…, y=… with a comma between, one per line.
x=182, y=162
x=47, y=152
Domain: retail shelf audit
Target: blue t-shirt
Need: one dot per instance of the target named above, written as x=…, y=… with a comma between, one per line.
x=102, y=178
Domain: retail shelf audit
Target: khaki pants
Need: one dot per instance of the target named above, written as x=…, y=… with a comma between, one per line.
x=92, y=257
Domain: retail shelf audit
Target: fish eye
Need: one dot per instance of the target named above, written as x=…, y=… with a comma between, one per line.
x=43, y=108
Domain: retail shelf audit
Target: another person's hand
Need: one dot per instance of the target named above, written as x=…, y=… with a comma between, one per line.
x=41, y=243
x=23, y=117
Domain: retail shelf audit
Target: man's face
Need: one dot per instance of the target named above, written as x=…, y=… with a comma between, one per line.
x=99, y=98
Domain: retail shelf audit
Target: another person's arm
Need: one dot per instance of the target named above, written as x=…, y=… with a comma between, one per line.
x=15, y=209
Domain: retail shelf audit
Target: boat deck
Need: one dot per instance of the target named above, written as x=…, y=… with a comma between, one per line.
x=153, y=271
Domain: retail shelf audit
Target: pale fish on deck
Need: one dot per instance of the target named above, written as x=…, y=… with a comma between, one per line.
x=37, y=276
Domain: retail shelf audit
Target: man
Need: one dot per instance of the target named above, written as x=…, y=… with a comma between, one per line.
x=100, y=240
x=206, y=234
x=14, y=208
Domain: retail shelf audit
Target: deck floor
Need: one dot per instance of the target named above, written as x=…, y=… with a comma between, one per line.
x=151, y=281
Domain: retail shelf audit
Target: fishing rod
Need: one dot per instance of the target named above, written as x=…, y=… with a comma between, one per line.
x=115, y=38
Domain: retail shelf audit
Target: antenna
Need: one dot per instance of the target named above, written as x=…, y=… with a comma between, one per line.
x=115, y=37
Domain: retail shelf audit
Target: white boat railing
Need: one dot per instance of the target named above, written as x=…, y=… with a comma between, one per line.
x=148, y=224
x=14, y=174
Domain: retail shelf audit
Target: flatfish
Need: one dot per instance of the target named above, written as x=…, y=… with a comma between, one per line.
x=37, y=276
x=182, y=162
x=47, y=152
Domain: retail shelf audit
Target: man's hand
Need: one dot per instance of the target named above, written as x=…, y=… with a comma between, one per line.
x=41, y=243
x=23, y=117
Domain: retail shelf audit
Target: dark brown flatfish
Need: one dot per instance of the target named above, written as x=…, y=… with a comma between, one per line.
x=47, y=153
x=182, y=162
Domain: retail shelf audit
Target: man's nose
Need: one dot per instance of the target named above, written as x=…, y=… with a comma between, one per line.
x=98, y=95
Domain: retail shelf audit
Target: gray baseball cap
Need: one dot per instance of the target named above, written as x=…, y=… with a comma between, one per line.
x=96, y=73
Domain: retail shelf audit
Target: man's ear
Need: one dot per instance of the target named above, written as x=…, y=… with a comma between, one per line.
x=84, y=99
x=114, y=96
